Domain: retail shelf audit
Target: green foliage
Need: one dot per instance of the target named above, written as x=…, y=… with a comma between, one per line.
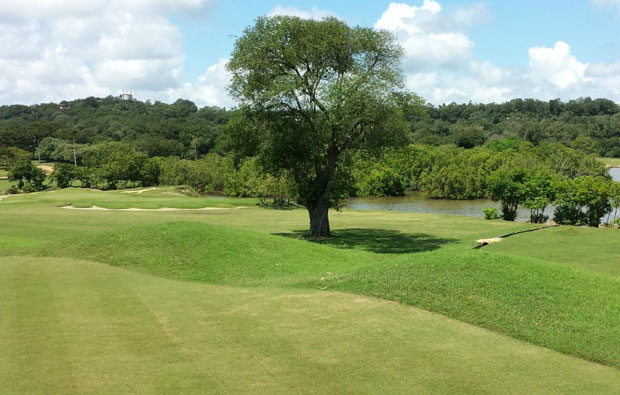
x=204, y=175
x=64, y=174
x=584, y=201
x=382, y=182
x=540, y=191
x=316, y=90
x=490, y=213
x=509, y=188
x=120, y=164
x=11, y=155
x=151, y=171
x=614, y=191
x=281, y=188
x=29, y=178
x=251, y=180
x=241, y=182
x=457, y=173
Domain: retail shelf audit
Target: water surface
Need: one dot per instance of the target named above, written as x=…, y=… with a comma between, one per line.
x=419, y=202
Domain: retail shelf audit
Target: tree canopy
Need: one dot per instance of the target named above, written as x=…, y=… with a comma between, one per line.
x=315, y=91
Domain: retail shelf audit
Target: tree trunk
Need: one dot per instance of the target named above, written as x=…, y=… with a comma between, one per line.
x=319, y=220
x=319, y=212
x=318, y=206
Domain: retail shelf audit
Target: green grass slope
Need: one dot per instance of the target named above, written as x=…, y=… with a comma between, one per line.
x=596, y=250
x=76, y=327
x=556, y=288
x=615, y=162
x=543, y=303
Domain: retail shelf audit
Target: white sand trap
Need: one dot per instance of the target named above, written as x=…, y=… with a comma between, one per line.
x=4, y=197
x=97, y=208
x=141, y=190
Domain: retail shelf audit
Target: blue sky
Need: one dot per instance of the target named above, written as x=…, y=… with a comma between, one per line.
x=456, y=50
x=593, y=31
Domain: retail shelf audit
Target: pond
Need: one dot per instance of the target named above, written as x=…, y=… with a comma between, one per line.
x=418, y=202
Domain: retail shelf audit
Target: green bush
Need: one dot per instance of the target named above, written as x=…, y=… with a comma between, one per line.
x=382, y=182
x=64, y=174
x=509, y=188
x=29, y=178
x=490, y=213
x=584, y=201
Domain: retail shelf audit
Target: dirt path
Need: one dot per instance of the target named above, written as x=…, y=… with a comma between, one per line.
x=46, y=168
x=485, y=242
x=97, y=208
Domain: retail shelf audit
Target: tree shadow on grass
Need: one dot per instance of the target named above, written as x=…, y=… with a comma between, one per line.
x=380, y=241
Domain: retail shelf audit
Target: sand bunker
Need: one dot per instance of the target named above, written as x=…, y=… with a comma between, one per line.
x=141, y=190
x=97, y=208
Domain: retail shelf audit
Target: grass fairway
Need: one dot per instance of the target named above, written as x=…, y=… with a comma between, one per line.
x=78, y=327
x=614, y=162
x=237, y=300
x=595, y=250
x=5, y=184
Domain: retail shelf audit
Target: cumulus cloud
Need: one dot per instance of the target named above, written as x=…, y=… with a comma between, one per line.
x=210, y=90
x=432, y=38
x=556, y=65
x=62, y=50
x=51, y=51
x=440, y=64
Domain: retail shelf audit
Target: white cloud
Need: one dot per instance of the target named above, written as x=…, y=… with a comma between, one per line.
x=440, y=64
x=210, y=90
x=313, y=13
x=556, y=65
x=432, y=38
x=63, y=50
x=51, y=51
x=604, y=3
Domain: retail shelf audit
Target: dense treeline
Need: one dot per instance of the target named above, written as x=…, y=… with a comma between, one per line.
x=524, y=153
x=454, y=172
x=156, y=129
x=586, y=124
x=181, y=129
x=517, y=174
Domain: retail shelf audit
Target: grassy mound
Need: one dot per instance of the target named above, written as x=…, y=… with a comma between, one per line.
x=544, y=303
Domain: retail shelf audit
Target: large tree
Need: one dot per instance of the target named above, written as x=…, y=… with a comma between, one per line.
x=312, y=92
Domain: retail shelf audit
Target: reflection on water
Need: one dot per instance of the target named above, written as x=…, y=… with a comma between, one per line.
x=418, y=202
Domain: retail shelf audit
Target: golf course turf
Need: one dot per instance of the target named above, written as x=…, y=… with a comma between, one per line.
x=239, y=301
